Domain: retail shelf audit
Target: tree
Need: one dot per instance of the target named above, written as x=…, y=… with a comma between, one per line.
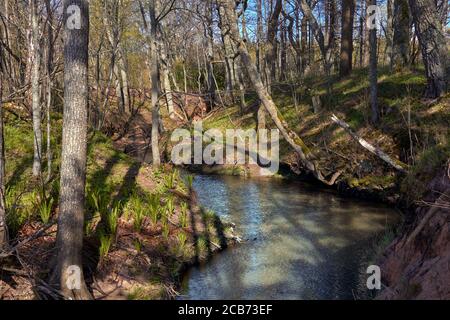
x=432, y=42
x=402, y=35
x=3, y=225
x=35, y=60
x=348, y=16
x=373, y=69
x=69, y=241
x=266, y=100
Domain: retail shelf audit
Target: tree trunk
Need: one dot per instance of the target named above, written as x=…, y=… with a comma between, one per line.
x=373, y=70
x=49, y=86
x=155, y=84
x=402, y=35
x=271, y=46
x=35, y=53
x=433, y=45
x=389, y=32
x=69, y=268
x=348, y=15
x=3, y=226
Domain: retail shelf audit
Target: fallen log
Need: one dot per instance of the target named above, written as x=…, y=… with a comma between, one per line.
x=397, y=164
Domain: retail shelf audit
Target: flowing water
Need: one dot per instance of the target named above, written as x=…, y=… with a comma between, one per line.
x=303, y=243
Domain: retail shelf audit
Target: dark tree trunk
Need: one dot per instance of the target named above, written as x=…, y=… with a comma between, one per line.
x=74, y=150
x=389, y=32
x=402, y=34
x=434, y=48
x=348, y=16
x=373, y=71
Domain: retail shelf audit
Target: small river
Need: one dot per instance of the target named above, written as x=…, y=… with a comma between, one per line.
x=303, y=242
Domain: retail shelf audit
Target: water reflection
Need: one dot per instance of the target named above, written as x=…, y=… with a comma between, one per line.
x=303, y=243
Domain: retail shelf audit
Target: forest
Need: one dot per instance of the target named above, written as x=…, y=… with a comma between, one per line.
x=140, y=159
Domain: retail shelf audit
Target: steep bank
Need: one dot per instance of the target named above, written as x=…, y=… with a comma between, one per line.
x=416, y=264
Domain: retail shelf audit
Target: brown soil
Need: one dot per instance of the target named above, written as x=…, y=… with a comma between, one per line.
x=417, y=264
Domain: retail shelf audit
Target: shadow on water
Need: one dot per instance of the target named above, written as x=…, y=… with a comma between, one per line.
x=303, y=243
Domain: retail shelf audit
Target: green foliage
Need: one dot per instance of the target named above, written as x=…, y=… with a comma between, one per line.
x=138, y=245
x=165, y=229
x=106, y=241
x=190, y=181
x=182, y=239
x=98, y=199
x=154, y=204
x=184, y=215
x=45, y=210
x=170, y=206
x=138, y=221
x=430, y=162
x=171, y=179
x=112, y=218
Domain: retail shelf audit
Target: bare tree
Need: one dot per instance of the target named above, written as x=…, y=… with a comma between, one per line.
x=69, y=242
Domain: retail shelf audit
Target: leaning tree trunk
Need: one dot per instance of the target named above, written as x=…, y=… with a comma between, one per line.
x=69, y=269
x=433, y=45
x=266, y=100
x=3, y=225
x=35, y=53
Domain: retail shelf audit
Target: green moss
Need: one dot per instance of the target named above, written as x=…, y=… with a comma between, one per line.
x=430, y=162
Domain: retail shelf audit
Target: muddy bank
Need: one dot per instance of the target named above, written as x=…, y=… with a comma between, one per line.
x=416, y=264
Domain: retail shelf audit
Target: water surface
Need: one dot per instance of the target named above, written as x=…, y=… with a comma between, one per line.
x=304, y=243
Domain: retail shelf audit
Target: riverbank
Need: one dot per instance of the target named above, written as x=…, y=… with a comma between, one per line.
x=412, y=130
x=143, y=226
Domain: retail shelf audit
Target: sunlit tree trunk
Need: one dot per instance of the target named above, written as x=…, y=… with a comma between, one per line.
x=155, y=83
x=35, y=53
x=433, y=45
x=69, y=242
x=3, y=225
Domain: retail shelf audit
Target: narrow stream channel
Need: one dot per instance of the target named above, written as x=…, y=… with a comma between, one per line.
x=304, y=243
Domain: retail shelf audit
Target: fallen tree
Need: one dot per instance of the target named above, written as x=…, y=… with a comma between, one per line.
x=396, y=164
